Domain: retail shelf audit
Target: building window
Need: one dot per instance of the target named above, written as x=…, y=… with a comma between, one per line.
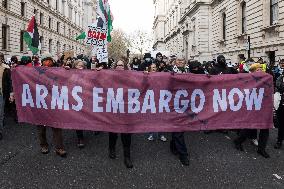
x=5, y=4
x=4, y=37
x=23, y=9
x=63, y=8
x=70, y=13
x=41, y=18
x=41, y=44
x=22, y=41
x=58, y=47
x=49, y=23
x=244, y=18
x=50, y=46
x=58, y=27
x=273, y=11
x=57, y=5
x=224, y=26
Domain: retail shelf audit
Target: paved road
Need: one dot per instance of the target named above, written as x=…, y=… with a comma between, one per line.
x=214, y=163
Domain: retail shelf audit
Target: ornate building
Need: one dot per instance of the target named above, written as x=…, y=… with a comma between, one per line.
x=203, y=29
x=59, y=22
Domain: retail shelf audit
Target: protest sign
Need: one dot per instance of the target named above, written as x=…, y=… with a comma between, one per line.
x=97, y=38
x=126, y=101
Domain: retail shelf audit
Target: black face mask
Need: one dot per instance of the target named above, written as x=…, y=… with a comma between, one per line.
x=222, y=62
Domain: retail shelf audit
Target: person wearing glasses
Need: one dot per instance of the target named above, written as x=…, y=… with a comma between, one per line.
x=121, y=64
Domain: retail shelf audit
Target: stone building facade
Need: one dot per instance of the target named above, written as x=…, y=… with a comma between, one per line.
x=59, y=22
x=203, y=29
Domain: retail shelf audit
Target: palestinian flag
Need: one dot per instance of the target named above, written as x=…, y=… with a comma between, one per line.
x=81, y=36
x=103, y=10
x=31, y=36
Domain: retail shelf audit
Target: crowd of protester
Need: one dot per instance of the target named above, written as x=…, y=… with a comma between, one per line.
x=148, y=64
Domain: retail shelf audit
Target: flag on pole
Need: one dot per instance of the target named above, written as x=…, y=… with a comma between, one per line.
x=81, y=36
x=103, y=11
x=31, y=36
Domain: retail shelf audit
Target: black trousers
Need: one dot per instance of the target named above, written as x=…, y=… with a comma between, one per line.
x=262, y=137
x=280, y=118
x=80, y=134
x=178, y=144
x=125, y=139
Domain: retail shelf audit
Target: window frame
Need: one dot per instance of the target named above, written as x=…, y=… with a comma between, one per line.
x=5, y=45
x=273, y=20
x=244, y=17
x=224, y=26
x=23, y=9
x=5, y=4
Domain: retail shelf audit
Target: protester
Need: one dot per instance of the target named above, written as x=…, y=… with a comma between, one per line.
x=147, y=61
x=125, y=137
x=26, y=61
x=245, y=133
x=35, y=61
x=80, y=65
x=208, y=67
x=14, y=62
x=242, y=63
x=195, y=67
x=68, y=63
x=177, y=145
x=6, y=90
x=152, y=136
x=135, y=64
x=93, y=62
x=221, y=67
x=159, y=59
x=280, y=110
x=47, y=61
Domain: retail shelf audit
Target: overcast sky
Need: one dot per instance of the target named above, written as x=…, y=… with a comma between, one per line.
x=131, y=15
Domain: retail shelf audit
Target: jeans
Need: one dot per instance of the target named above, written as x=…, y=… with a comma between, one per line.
x=2, y=105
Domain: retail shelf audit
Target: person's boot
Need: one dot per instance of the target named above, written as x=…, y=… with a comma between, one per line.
x=61, y=152
x=278, y=145
x=44, y=150
x=184, y=160
x=112, y=154
x=238, y=145
x=263, y=153
x=128, y=162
